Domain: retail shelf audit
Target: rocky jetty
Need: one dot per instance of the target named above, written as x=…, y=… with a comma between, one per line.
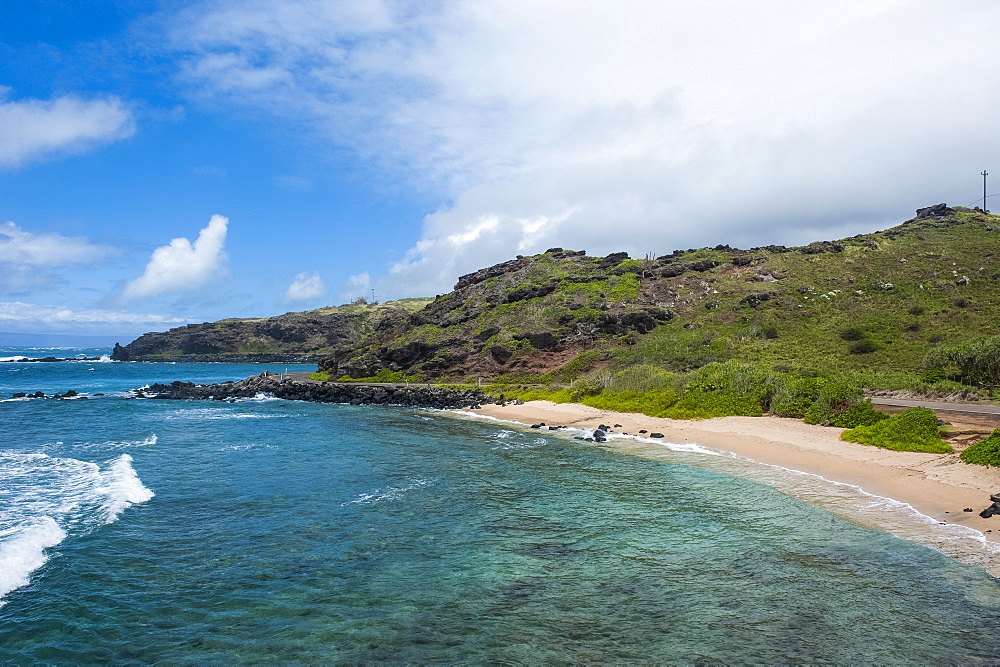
x=424, y=396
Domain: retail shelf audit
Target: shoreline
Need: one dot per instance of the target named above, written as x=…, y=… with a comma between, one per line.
x=939, y=486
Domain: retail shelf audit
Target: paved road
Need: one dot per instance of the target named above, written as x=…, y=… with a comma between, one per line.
x=975, y=408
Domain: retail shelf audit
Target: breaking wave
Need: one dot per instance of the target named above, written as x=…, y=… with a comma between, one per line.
x=48, y=498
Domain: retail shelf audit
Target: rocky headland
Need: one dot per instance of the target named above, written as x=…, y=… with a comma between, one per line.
x=304, y=337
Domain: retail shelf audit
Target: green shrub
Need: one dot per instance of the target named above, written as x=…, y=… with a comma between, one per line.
x=914, y=430
x=653, y=403
x=384, y=375
x=628, y=266
x=932, y=375
x=863, y=347
x=795, y=396
x=862, y=413
x=852, y=333
x=643, y=377
x=978, y=360
x=697, y=403
x=770, y=333
x=579, y=364
x=819, y=400
x=917, y=311
x=322, y=376
x=626, y=289
x=985, y=452
x=735, y=376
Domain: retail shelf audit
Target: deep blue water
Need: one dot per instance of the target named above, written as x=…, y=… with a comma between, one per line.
x=270, y=530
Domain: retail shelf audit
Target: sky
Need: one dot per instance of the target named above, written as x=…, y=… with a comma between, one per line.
x=163, y=163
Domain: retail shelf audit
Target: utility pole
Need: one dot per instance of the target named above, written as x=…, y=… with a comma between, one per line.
x=373, y=289
x=985, y=174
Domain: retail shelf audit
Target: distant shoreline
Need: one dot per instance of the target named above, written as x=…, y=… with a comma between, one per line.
x=939, y=486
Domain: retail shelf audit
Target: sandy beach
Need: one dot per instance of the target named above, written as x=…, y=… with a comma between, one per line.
x=940, y=486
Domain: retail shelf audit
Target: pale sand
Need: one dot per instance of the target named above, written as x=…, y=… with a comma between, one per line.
x=937, y=485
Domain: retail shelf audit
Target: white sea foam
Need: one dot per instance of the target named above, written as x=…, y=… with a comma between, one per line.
x=45, y=498
x=18, y=358
x=116, y=444
x=246, y=448
x=683, y=447
x=259, y=397
x=388, y=494
x=22, y=551
x=509, y=441
x=121, y=487
x=210, y=414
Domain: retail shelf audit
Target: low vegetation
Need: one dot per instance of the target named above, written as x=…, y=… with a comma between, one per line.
x=914, y=430
x=985, y=452
x=732, y=388
x=384, y=375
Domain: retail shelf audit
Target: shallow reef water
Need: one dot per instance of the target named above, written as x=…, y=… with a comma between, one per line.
x=276, y=531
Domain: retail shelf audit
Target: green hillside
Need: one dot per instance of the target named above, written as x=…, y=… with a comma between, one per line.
x=870, y=307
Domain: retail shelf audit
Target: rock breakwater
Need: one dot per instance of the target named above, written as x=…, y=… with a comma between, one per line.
x=425, y=396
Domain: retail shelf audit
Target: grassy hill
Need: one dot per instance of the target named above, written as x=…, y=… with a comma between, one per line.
x=870, y=306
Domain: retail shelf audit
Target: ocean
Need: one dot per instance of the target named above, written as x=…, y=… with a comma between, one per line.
x=266, y=530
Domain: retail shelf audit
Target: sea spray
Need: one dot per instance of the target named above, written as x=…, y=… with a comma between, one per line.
x=46, y=498
x=22, y=551
x=122, y=487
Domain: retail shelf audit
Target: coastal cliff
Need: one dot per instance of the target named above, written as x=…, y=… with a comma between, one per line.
x=304, y=337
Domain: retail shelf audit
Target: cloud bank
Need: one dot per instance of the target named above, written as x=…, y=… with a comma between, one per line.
x=305, y=287
x=16, y=316
x=27, y=259
x=181, y=266
x=642, y=126
x=32, y=129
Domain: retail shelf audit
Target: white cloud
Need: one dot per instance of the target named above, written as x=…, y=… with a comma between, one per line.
x=639, y=126
x=27, y=260
x=182, y=265
x=16, y=316
x=31, y=129
x=356, y=286
x=305, y=287
x=24, y=248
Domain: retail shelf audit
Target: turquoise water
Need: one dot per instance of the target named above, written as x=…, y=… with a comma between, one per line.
x=269, y=530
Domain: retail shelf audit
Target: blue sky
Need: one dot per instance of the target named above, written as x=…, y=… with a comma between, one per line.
x=165, y=163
